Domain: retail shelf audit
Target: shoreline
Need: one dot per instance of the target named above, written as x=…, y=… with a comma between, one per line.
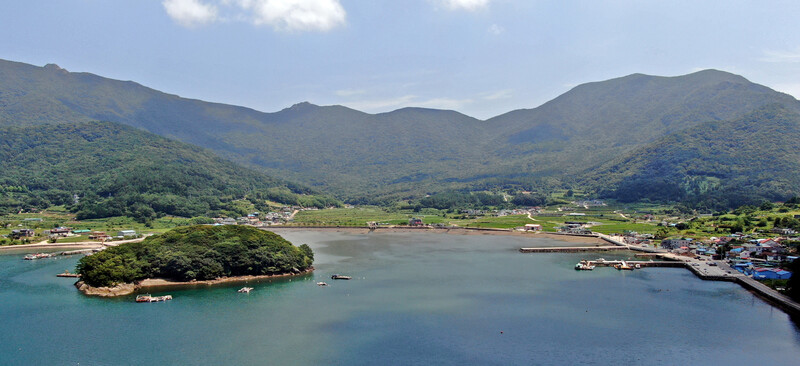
x=450, y=231
x=77, y=244
x=160, y=283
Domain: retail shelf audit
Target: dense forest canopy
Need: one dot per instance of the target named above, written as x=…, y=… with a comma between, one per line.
x=196, y=253
x=103, y=169
x=716, y=165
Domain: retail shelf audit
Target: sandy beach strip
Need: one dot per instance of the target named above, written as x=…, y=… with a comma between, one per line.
x=152, y=283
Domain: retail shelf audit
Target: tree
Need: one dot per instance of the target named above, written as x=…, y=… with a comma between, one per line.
x=662, y=232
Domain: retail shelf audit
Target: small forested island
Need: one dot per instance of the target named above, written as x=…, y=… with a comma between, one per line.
x=190, y=255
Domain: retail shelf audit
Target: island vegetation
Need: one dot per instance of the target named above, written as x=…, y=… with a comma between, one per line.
x=196, y=253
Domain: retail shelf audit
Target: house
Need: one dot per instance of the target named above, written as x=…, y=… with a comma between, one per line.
x=21, y=233
x=783, y=231
x=415, y=222
x=533, y=227
x=675, y=243
x=771, y=274
x=127, y=233
x=99, y=235
x=60, y=231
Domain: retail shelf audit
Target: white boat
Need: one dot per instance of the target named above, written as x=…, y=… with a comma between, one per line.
x=322, y=284
x=245, y=290
x=623, y=266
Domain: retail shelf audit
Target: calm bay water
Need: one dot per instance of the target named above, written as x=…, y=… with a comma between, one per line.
x=428, y=299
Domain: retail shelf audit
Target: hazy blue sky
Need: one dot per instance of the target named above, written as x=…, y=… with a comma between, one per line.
x=480, y=57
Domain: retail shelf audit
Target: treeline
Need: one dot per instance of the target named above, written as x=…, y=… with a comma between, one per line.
x=103, y=169
x=479, y=200
x=196, y=253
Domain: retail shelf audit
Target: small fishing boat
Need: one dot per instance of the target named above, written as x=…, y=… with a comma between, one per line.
x=322, y=284
x=584, y=266
x=245, y=290
x=623, y=266
x=341, y=277
x=148, y=298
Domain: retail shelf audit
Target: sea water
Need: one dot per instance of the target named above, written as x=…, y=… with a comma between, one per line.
x=415, y=299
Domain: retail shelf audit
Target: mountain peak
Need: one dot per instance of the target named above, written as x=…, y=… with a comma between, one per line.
x=302, y=106
x=54, y=67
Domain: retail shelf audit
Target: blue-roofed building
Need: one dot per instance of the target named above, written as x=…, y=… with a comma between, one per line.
x=771, y=274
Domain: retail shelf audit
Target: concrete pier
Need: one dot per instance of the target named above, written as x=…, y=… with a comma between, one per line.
x=704, y=269
x=572, y=249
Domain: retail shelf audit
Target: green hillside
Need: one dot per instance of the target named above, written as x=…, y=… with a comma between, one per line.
x=117, y=170
x=596, y=122
x=716, y=164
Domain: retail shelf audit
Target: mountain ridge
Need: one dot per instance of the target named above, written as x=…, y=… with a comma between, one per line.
x=408, y=152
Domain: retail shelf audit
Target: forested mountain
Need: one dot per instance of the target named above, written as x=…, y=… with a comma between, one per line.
x=597, y=121
x=715, y=164
x=410, y=152
x=115, y=169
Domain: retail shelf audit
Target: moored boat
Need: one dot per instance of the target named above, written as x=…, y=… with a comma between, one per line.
x=148, y=298
x=340, y=277
x=245, y=290
x=623, y=266
x=584, y=265
x=37, y=256
x=322, y=284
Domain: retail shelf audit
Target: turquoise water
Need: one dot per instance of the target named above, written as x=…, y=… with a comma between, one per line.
x=426, y=299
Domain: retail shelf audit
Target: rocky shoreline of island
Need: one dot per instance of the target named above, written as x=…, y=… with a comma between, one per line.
x=125, y=289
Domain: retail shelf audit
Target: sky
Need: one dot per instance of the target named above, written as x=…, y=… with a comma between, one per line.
x=479, y=57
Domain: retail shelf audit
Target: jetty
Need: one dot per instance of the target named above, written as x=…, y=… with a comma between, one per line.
x=572, y=249
x=711, y=270
x=68, y=274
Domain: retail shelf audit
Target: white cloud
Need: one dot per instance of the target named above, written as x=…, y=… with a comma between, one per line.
x=284, y=15
x=296, y=15
x=190, y=13
x=468, y=5
x=781, y=56
x=496, y=29
x=500, y=94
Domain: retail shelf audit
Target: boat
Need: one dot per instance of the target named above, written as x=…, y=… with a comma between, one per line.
x=341, y=277
x=322, y=284
x=584, y=266
x=245, y=290
x=148, y=298
x=623, y=266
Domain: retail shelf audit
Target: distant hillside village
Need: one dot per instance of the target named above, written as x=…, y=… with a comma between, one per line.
x=280, y=217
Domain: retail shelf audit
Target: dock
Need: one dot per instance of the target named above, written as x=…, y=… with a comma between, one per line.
x=710, y=270
x=572, y=249
x=640, y=264
x=68, y=274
